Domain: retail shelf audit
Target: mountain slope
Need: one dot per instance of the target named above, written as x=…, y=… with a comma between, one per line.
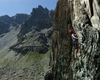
x=13, y=63
x=25, y=55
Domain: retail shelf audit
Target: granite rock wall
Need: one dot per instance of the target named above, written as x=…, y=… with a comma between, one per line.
x=83, y=16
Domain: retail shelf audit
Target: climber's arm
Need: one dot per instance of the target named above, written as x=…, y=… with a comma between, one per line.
x=74, y=35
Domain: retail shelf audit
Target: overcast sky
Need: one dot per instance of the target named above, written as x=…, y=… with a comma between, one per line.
x=12, y=7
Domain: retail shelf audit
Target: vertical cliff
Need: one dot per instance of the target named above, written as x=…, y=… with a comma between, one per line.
x=83, y=16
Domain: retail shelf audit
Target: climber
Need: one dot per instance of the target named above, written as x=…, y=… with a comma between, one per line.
x=75, y=42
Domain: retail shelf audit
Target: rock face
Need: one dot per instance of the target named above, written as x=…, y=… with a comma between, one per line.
x=82, y=16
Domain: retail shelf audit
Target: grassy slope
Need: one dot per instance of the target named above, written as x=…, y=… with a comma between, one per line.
x=36, y=62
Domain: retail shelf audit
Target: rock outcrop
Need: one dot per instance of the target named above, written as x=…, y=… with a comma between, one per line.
x=83, y=17
x=25, y=49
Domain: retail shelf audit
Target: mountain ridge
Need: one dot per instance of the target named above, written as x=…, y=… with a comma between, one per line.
x=26, y=57
x=11, y=21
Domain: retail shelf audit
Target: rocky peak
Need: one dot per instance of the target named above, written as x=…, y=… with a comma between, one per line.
x=83, y=17
x=39, y=19
x=40, y=7
x=6, y=19
x=41, y=13
x=39, y=10
x=20, y=18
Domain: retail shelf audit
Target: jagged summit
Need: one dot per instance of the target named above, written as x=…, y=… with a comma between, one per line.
x=38, y=24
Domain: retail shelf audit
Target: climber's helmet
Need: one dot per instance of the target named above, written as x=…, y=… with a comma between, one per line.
x=71, y=31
